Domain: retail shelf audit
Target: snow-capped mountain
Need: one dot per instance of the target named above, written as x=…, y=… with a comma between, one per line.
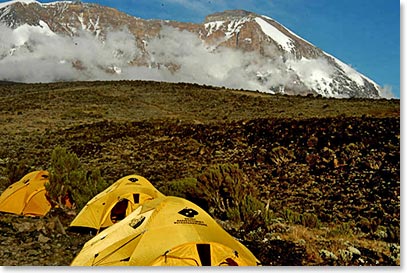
x=71, y=40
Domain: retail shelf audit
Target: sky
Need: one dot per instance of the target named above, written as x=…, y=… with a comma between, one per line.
x=364, y=34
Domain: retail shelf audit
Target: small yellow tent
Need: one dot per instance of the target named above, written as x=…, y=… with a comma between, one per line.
x=27, y=196
x=115, y=203
x=167, y=231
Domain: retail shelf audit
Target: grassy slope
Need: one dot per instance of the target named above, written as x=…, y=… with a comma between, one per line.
x=171, y=131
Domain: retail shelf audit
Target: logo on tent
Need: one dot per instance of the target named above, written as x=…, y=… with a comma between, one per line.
x=189, y=220
x=190, y=213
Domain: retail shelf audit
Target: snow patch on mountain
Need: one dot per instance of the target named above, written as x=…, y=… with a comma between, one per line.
x=212, y=27
x=356, y=76
x=5, y=12
x=23, y=33
x=56, y=3
x=316, y=74
x=283, y=40
x=289, y=31
x=234, y=26
x=350, y=72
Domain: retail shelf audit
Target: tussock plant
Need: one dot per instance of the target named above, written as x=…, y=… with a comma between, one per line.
x=281, y=155
x=306, y=219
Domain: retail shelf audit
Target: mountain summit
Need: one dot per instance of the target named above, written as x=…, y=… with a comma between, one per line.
x=65, y=40
x=228, y=15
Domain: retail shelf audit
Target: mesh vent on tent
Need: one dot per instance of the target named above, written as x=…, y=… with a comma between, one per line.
x=136, y=198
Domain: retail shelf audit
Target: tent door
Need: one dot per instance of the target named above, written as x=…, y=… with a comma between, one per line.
x=204, y=252
x=118, y=212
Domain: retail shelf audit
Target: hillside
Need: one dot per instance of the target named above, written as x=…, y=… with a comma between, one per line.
x=329, y=169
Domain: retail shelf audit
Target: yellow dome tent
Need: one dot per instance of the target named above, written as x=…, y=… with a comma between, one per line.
x=115, y=203
x=27, y=196
x=168, y=231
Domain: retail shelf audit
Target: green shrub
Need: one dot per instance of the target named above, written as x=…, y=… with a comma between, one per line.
x=254, y=215
x=185, y=188
x=248, y=208
x=67, y=177
x=231, y=196
x=224, y=186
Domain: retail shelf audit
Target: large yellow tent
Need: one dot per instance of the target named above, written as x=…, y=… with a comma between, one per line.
x=27, y=196
x=115, y=203
x=167, y=231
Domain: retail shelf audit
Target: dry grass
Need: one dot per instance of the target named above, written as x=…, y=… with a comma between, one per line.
x=316, y=239
x=37, y=107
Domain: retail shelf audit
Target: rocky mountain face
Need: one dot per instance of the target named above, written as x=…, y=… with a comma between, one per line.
x=237, y=49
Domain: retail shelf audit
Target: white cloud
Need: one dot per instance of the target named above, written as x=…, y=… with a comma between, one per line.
x=387, y=92
x=173, y=56
x=195, y=62
x=38, y=57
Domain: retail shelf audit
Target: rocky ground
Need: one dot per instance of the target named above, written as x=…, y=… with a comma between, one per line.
x=335, y=161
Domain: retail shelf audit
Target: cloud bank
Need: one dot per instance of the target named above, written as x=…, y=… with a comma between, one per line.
x=36, y=54
x=41, y=56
